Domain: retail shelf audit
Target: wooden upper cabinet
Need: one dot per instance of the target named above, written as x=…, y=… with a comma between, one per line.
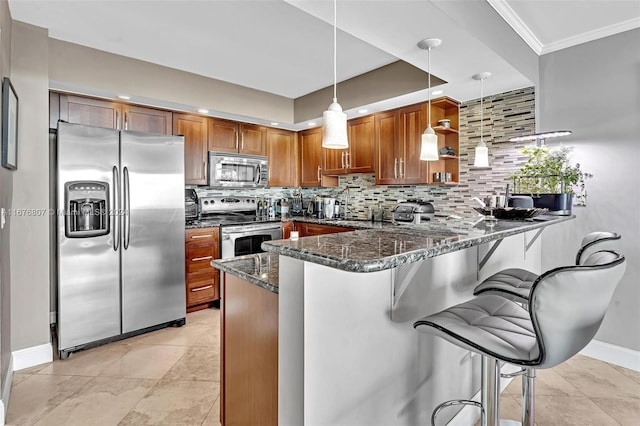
x=282, y=154
x=359, y=157
x=194, y=130
x=413, y=122
x=387, y=143
x=253, y=139
x=447, y=137
x=104, y=113
x=311, y=157
x=148, y=120
x=238, y=138
x=89, y=111
x=223, y=135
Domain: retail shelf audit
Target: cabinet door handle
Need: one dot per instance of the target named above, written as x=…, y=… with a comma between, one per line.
x=200, y=236
x=318, y=173
x=236, y=139
x=201, y=288
x=348, y=157
x=204, y=170
x=117, y=126
x=126, y=121
x=242, y=141
x=395, y=168
x=401, y=168
x=197, y=259
x=342, y=159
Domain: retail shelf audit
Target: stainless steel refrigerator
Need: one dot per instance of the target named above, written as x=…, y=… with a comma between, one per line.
x=120, y=234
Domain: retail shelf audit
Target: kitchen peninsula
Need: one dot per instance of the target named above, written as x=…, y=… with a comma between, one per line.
x=336, y=312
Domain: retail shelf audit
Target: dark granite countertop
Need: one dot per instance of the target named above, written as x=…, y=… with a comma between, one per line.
x=382, y=246
x=261, y=269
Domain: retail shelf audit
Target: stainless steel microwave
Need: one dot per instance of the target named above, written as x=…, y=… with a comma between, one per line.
x=237, y=171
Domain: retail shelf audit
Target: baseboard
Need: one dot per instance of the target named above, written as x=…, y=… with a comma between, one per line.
x=35, y=355
x=6, y=390
x=469, y=415
x=613, y=354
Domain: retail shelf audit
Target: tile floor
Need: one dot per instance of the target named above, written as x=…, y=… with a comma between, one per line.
x=171, y=377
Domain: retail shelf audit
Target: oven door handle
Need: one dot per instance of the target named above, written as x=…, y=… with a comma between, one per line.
x=248, y=231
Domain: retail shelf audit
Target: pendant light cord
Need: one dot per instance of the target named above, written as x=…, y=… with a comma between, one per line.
x=335, y=73
x=429, y=85
x=481, y=108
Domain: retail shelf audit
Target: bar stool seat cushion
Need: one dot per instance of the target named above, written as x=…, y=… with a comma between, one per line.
x=514, y=284
x=488, y=324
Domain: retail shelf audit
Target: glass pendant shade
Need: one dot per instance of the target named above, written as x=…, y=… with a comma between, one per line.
x=334, y=134
x=482, y=155
x=429, y=146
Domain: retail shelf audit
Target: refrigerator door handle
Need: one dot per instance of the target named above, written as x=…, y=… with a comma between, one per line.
x=127, y=204
x=115, y=209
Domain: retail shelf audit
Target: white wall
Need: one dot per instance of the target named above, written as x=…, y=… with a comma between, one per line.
x=30, y=234
x=593, y=89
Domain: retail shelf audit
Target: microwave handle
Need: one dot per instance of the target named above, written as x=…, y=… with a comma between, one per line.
x=258, y=174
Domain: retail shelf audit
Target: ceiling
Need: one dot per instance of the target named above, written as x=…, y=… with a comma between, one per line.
x=286, y=47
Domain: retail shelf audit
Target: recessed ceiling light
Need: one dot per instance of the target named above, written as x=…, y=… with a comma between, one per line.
x=274, y=124
x=124, y=97
x=311, y=123
x=437, y=92
x=203, y=111
x=362, y=111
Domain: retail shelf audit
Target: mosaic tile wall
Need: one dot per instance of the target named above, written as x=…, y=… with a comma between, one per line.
x=505, y=115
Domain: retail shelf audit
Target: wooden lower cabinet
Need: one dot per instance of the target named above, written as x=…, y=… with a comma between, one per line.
x=202, y=280
x=307, y=229
x=287, y=227
x=249, y=354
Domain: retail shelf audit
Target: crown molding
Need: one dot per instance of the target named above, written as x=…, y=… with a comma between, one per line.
x=512, y=18
x=609, y=30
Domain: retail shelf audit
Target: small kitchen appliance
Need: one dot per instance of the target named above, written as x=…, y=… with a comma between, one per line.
x=237, y=171
x=413, y=212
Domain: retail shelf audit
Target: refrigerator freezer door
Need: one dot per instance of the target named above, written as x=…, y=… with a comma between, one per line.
x=88, y=267
x=153, y=287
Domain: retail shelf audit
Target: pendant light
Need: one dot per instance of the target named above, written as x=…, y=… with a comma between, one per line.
x=334, y=121
x=429, y=146
x=482, y=152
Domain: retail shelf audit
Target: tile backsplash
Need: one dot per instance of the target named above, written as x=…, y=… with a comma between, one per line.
x=505, y=115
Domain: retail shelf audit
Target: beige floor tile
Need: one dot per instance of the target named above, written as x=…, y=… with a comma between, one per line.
x=570, y=411
x=213, y=418
x=509, y=408
x=36, y=396
x=199, y=363
x=626, y=411
x=174, y=403
x=547, y=383
x=103, y=401
x=146, y=362
x=90, y=362
x=635, y=375
x=597, y=379
x=34, y=369
x=19, y=377
x=208, y=316
x=194, y=335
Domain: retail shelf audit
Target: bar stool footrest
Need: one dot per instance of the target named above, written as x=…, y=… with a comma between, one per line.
x=451, y=403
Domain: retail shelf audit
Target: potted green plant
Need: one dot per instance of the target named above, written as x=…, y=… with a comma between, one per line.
x=551, y=179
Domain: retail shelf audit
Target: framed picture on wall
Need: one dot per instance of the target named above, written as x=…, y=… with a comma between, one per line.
x=9, y=125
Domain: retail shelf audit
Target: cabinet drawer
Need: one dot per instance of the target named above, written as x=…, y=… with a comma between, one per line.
x=202, y=236
x=199, y=258
x=202, y=287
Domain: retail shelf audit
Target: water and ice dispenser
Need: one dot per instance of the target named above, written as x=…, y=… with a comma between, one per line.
x=86, y=209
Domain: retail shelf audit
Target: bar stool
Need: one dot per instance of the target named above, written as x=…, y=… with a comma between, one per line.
x=515, y=283
x=566, y=307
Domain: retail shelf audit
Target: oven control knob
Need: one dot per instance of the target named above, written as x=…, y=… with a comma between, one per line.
x=206, y=202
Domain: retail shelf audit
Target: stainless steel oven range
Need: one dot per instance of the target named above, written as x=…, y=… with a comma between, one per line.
x=241, y=232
